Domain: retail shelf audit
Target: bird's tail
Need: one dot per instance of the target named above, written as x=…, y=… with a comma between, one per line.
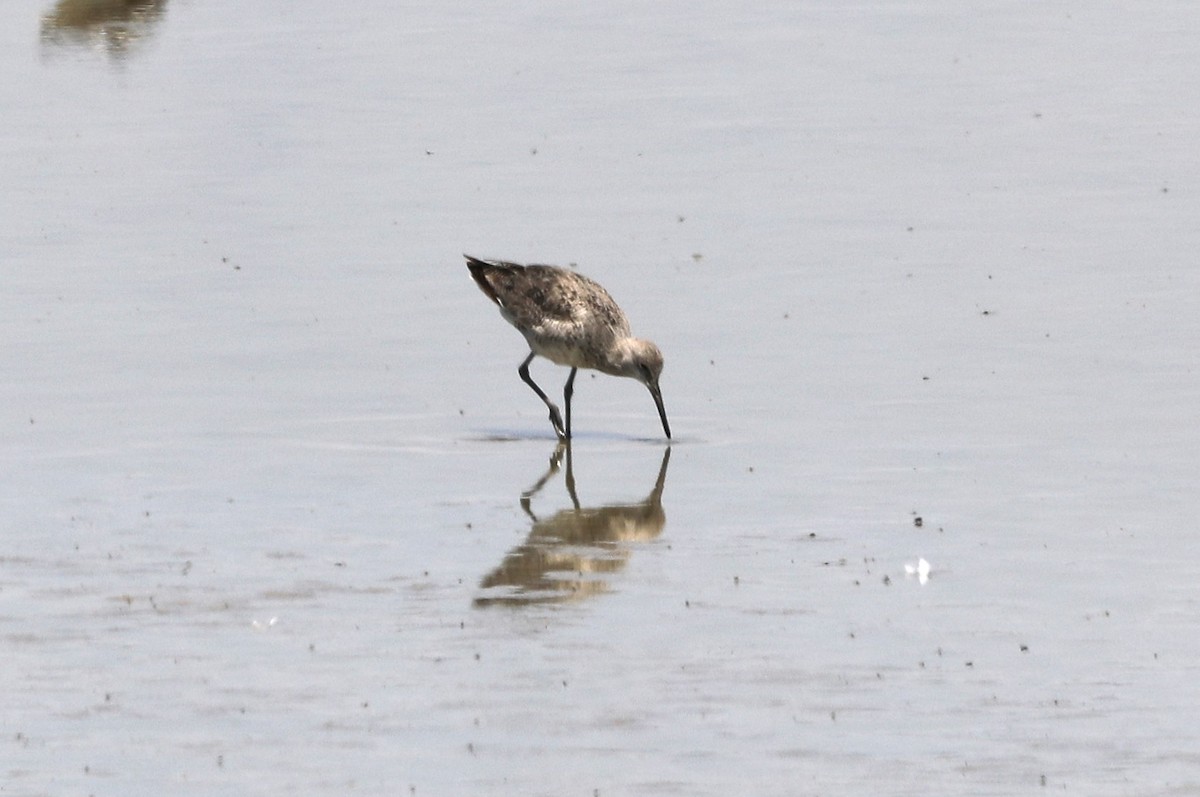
x=482, y=270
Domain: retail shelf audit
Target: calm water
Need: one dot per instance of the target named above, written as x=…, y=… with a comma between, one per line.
x=279, y=516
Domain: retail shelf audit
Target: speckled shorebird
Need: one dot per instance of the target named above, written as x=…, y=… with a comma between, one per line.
x=570, y=320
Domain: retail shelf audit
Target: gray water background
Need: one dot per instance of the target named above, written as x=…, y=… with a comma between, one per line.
x=263, y=443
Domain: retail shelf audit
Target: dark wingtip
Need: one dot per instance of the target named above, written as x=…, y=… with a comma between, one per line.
x=479, y=273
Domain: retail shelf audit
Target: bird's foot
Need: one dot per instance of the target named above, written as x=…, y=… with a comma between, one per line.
x=556, y=420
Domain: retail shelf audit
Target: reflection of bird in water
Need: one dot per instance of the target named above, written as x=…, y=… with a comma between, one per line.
x=570, y=320
x=108, y=25
x=567, y=555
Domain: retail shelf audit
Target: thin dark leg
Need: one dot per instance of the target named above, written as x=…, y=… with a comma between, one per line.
x=568, y=391
x=555, y=417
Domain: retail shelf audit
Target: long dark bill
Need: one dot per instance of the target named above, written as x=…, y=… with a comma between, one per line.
x=662, y=413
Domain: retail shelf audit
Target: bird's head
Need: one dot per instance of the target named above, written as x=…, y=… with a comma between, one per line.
x=641, y=360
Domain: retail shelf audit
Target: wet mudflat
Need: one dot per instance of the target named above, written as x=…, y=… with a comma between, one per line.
x=279, y=514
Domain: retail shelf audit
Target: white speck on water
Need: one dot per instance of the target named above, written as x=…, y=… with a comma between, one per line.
x=920, y=570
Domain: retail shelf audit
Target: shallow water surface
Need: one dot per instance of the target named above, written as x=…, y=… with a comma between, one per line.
x=280, y=516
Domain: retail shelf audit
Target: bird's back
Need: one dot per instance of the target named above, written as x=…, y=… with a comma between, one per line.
x=550, y=302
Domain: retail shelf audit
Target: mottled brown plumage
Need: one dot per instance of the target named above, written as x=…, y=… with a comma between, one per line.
x=572, y=321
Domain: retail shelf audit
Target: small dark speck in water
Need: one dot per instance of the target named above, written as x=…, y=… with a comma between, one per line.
x=1024, y=648
x=918, y=521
